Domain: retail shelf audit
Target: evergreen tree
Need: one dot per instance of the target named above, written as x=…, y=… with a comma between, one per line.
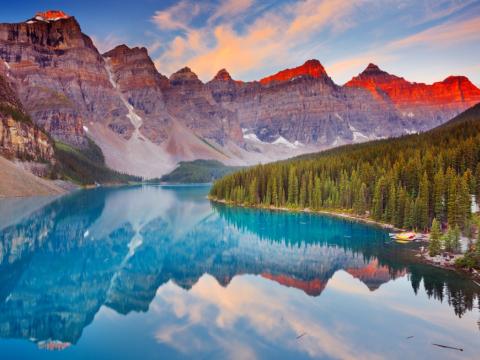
x=423, y=205
x=455, y=239
x=439, y=195
x=434, y=246
x=447, y=241
x=452, y=202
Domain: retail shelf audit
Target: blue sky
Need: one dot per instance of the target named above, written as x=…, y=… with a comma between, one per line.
x=421, y=40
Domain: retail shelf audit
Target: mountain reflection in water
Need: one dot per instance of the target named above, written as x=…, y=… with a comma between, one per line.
x=62, y=259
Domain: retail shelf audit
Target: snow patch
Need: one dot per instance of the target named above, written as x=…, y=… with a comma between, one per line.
x=282, y=141
x=249, y=135
x=6, y=64
x=135, y=119
x=337, y=141
x=338, y=116
x=474, y=205
x=359, y=136
x=85, y=128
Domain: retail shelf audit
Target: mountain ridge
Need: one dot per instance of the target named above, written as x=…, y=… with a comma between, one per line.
x=140, y=117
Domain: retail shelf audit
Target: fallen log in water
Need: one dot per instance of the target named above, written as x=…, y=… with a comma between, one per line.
x=448, y=347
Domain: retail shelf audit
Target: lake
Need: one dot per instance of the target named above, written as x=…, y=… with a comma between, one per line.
x=152, y=272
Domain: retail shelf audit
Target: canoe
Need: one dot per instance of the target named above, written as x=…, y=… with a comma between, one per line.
x=404, y=237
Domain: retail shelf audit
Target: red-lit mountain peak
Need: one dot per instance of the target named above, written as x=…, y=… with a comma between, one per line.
x=223, y=75
x=51, y=15
x=312, y=68
x=453, y=90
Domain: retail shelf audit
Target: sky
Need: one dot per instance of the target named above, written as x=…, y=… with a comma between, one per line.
x=420, y=40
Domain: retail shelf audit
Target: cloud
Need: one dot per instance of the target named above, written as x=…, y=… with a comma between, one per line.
x=252, y=38
x=273, y=315
x=446, y=36
x=177, y=16
x=107, y=43
x=274, y=35
x=435, y=9
x=443, y=35
x=230, y=8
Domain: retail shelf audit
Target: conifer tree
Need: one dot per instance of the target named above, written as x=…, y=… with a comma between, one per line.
x=452, y=202
x=439, y=195
x=447, y=241
x=423, y=206
x=455, y=239
x=434, y=246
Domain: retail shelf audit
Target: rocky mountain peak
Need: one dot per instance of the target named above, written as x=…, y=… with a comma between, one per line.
x=458, y=79
x=51, y=29
x=311, y=68
x=50, y=15
x=223, y=75
x=373, y=71
x=372, y=77
x=123, y=49
x=184, y=76
x=123, y=54
x=372, y=68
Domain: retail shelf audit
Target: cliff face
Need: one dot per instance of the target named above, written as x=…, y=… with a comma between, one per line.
x=61, y=78
x=192, y=104
x=19, y=138
x=138, y=80
x=304, y=105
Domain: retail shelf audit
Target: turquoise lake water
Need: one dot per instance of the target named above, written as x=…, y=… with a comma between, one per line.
x=161, y=273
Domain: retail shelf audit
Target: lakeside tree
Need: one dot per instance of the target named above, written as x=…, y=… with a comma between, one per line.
x=434, y=246
x=456, y=246
x=406, y=181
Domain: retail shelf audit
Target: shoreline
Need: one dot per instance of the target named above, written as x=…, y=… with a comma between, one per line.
x=339, y=214
x=422, y=256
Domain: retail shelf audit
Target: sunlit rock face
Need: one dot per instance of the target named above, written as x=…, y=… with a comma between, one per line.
x=311, y=68
x=20, y=139
x=423, y=106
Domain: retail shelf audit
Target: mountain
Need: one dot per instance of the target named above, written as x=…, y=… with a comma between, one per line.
x=424, y=106
x=33, y=152
x=406, y=181
x=146, y=123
